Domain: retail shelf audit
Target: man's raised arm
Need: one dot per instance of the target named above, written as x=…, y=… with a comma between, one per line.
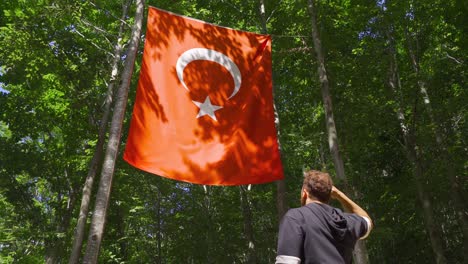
x=350, y=206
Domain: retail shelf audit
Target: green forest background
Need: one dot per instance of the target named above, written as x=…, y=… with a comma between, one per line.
x=397, y=77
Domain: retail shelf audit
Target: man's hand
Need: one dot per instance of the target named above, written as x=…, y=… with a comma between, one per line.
x=334, y=193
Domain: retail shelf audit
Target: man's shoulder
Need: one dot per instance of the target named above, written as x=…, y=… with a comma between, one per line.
x=306, y=210
x=295, y=213
x=321, y=208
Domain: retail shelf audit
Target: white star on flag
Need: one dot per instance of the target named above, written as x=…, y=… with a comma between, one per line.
x=206, y=108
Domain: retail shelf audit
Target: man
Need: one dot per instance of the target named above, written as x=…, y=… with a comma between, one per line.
x=317, y=232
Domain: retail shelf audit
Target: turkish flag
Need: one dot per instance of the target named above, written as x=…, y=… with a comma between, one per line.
x=204, y=107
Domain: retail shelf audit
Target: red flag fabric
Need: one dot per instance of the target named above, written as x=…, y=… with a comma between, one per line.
x=204, y=107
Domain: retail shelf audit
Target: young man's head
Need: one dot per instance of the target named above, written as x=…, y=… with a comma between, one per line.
x=317, y=186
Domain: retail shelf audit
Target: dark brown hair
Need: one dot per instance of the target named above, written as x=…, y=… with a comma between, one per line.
x=318, y=184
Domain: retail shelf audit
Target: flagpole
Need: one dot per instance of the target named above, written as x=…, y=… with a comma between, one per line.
x=105, y=184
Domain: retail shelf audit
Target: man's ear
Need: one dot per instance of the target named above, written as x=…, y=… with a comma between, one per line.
x=304, y=196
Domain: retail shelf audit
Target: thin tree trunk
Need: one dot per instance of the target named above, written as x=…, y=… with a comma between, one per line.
x=327, y=100
x=455, y=188
x=281, y=204
x=120, y=230
x=248, y=226
x=155, y=195
x=97, y=157
x=360, y=252
x=54, y=252
x=209, y=231
x=414, y=157
x=105, y=184
x=159, y=235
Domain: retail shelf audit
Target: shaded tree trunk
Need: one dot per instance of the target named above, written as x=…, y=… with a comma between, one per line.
x=159, y=258
x=327, y=100
x=248, y=226
x=105, y=184
x=97, y=156
x=412, y=152
x=360, y=253
x=209, y=231
x=120, y=229
x=54, y=252
x=281, y=204
x=455, y=187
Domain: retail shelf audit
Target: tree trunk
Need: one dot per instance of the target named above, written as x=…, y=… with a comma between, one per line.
x=159, y=258
x=120, y=230
x=209, y=230
x=248, y=226
x=281, y=204
x=412, y=151
x=105, y=184
x=360, y=252
x=54, y=252
x=455, y=187
x=327, y=100
x=97, y=157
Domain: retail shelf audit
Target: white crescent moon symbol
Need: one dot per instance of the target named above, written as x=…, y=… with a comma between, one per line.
x=209, y=55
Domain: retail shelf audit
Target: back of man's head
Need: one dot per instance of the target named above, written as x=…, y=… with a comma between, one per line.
x=318, y=184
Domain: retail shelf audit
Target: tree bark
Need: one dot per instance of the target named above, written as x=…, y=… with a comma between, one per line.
x=281, y=204
x=209, y=231
x=412, y=152
x=360, y=252
x=248, y=226
x=54, y=253
x=97, y=157
x=120, y=230
x=455, y=187
x=159, y=258
x=327, y=100
x=105, y=184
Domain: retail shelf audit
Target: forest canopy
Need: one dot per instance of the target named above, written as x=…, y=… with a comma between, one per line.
x=395, y=92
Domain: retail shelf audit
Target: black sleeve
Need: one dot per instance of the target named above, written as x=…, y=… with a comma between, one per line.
x=291, y=236
x=357, y=225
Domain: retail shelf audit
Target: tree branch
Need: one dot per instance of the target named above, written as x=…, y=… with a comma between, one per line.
x=92, y=43
x=453, y=58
